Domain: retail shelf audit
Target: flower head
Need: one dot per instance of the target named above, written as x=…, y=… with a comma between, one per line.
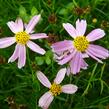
x=23, y=35
x=55, y=88
x=75, y=51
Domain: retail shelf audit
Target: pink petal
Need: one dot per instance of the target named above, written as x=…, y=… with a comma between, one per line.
x=36, y=48
x=43, y=79
x=25, y=25
x=59, y=56
x=95, y=35
x=56, y=56
x=81, y=27
x=70, y=29
x=6, y=42
x=99, y=51
x=67, y=58
x=69, y=88
x=62, y=46
x=84, y=65
x=22, y=56
x=32, y=23
x=19, y=23
x=38, y=36
x=13, y=27
x=75, y=63
x=60, y=76
x=62, y=56
x=90, y=53
x=15, y=54
x=68, y=71
x=85, y=55
x=46, y=100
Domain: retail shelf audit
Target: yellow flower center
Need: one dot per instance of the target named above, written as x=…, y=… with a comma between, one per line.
x=55, y=89
x=81, y=43
x=22, y=37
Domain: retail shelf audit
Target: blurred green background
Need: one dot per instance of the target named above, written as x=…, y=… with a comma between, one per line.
x=19, y=88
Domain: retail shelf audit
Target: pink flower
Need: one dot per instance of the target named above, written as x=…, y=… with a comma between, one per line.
x=22, y=38
x=74, y=51
x=55, y=88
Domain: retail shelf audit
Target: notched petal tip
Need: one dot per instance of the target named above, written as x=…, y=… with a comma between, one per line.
x=9, y=60
x=78, y=20
x=20, y=66
x=37, y=16
x=83, y=21
x=43, y=52
x=63, y=24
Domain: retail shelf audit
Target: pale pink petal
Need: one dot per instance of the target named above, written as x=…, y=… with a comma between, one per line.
x=59, y=56
x=84, y=65
x=55, y=57
x=19, y=23
x=72, y=49
x=68, y=71
x=67, y=58
x=38, y=36
x=90, y=53
x=81, y=27
x=75, y=63
x=100, y=48
x=60, y=76
x=95, y=35
x=99, y=51
x=69, y=88
x=70, y=29
x=32, y=23
x=46, y=100
x=36, y=48
x=85, y=55
x=13, y=27
x=62, y=46
x=25, y=25
x=15, y=54
x=6, y=42
x=22, y=56
x=43, y=79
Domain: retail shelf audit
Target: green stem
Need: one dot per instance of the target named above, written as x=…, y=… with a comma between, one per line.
x=75, y=3
x=90, y=80
x=33, y=76
x=29, y=63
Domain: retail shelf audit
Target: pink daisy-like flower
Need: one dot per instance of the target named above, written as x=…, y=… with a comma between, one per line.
x=55, y=88
x=22, y=38
x=74, y=51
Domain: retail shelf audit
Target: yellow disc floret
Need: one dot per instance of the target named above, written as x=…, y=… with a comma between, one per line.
x=22, y=37
x=55, y=89
x=81, y=43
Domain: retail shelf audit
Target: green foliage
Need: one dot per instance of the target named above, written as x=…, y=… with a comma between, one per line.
x=40, y=60
x=23, y=86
